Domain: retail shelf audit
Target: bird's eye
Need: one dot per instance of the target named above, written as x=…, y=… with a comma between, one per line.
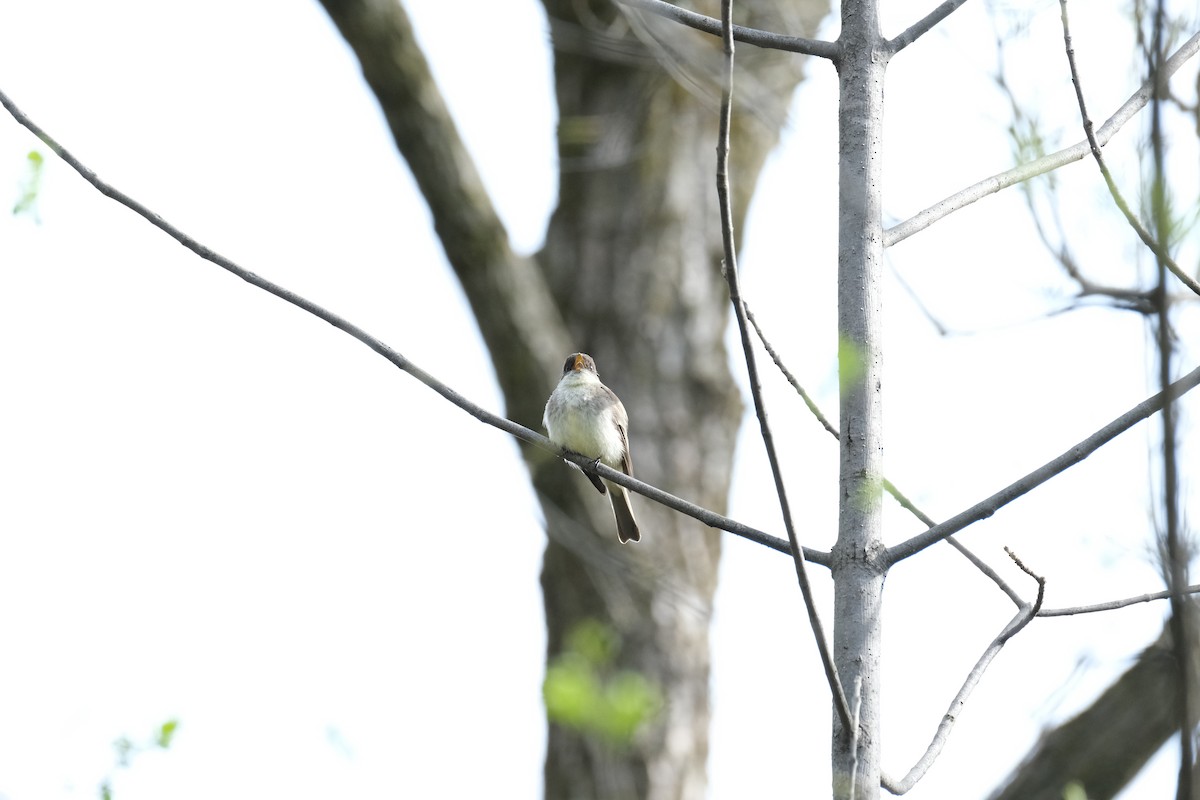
x=569, y=364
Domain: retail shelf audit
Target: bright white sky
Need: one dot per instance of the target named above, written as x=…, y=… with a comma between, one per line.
x=218, y=509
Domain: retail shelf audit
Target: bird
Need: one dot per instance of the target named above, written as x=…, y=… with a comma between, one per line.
x=586, y=417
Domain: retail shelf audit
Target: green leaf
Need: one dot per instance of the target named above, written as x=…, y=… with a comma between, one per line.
x=582, y=693
x=31, y=185
x=850, y=364
x=594, y=641
x=1074, y=791
x=571, y=692
x=166, y=732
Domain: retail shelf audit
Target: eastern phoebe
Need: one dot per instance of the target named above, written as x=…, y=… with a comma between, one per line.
x=584, y=416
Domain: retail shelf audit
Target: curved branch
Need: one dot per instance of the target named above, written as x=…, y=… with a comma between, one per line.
x=1024, y=172
x=752, y=36
x=1070, y=458
x=1014, y=626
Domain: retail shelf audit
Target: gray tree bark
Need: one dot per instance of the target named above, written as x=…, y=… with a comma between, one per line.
x=858, y=557
x=630, y=272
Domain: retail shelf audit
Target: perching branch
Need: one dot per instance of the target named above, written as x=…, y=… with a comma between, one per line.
x=1135, y=223
x=1024, y=172
x=1070, y=458
x=709, y=518
x=753, y=36
x=841, y=705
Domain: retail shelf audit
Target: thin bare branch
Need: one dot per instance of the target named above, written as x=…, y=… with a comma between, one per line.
x=888, y=486
x=752, y=36
x=1155, y=247
x=735, y=296
x=808, y=401
x=1114, y=604
x=709, y=518
x=924, y=25
x=1023, y=617
x=1024, y=172
x=942, y=734
x=1070, y=458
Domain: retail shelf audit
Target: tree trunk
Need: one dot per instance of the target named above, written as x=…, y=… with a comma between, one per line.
x=630, y=272
x=858, y=572
x=633, y=258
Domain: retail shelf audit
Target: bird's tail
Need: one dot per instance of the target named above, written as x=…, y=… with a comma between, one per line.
x=627, y=527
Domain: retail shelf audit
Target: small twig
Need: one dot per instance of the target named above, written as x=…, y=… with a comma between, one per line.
x=888, y=486
x=942, y=734
x=1158, y=249
x=739, y=310
x=709, y=518
x=1037, y=604
x=1024, y=172
x=923, y=25
x=1114, y=604
x=939, y=326
x=808, y=401
x=1061, y=463
x=751, y=36
x=1136, y=300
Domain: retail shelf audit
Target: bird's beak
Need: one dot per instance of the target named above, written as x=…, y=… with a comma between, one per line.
x=578, y=362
